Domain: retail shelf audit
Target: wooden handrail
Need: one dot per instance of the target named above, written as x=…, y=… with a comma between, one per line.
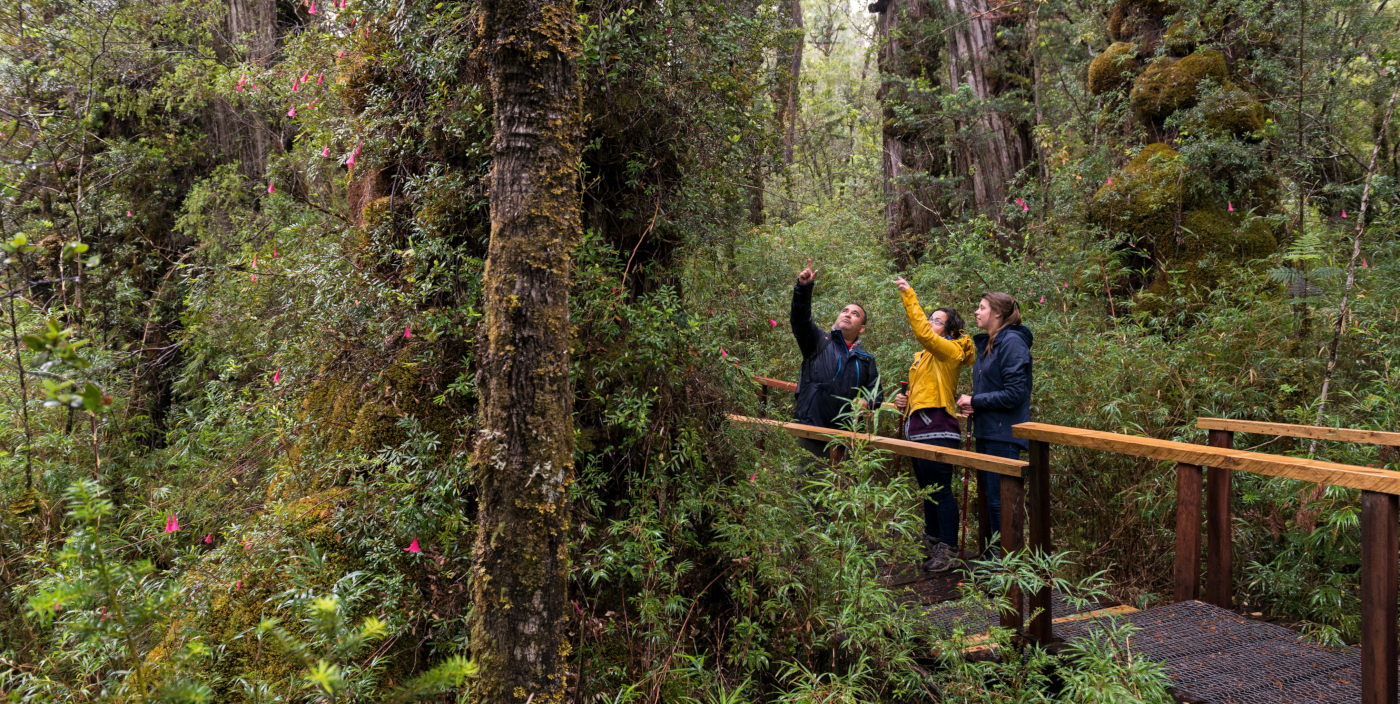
x=957, y=458
x=1332, y=473
x=1311, y=432
x=792, y=387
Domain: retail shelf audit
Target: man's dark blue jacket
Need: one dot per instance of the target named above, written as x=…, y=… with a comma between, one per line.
x=831, y=373
x=1001, y=384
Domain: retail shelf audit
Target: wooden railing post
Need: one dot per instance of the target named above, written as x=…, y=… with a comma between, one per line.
x=1219, y=557
x=762, y=410
x=1013, y=526
x=984, y=517
x=1380, y=543
x=1038, y=502
x=1187, y=572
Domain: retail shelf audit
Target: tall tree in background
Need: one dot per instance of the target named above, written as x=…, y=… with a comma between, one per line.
x=524, y=456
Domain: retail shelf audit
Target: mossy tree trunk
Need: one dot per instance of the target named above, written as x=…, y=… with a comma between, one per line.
x=524, y=456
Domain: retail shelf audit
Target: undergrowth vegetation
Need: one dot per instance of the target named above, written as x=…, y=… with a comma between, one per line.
x=241, y=324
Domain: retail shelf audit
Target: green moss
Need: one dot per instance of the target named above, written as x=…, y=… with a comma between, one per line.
x=1107, y=70
x=1210, y=243
x=1178, y=39
x=1170, y=84
x=1144, y=198
x=1130, y=18
x=1235, y=112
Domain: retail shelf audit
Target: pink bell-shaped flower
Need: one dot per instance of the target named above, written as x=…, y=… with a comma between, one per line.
x=1110, y=181
x=305, y=77
x=255, y=262
x=351, y=161
x=1364, y=265
x=413, y=547
x=1025, y=208
x=1344, y=212
x=340, y=54
x=128, y=213
x=255, y=278
x=772, y=323
x=209, y=539
x=1042, y=299
x=294, y=84
x=320, y=77
x=326, y=151
x=274, y=252
x=1230, y=206
x=407, y=332
x=172, y=523
x=312, y=11
x=269, y=188
x=277, y=375
x=292, y=112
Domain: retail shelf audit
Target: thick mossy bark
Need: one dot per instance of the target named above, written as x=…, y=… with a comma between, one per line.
x=524, y=456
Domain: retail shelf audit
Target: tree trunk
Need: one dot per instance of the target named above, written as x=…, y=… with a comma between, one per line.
x=913, y=159
x=242, y=133
x=524, y=456
x=793, y=80
x=997, y=145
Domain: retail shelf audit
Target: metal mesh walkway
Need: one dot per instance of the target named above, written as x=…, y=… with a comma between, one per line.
x=1217, y=656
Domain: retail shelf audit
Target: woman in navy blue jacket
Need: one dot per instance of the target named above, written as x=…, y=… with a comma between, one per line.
x=1001, y=387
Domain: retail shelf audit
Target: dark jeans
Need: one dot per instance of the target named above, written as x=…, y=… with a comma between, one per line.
x=940, y=508
x=992, y=480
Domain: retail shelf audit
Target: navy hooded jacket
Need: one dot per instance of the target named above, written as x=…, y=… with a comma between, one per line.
x=830, y=371
x=1001, y=384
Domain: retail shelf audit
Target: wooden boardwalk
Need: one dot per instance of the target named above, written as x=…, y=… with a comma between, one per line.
x=1211, y=653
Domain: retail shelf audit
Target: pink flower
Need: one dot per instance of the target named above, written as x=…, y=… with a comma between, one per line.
x=1025, y=208
x=241, y=79
x=326, y=151
x=340, y=54
x=274, y=252
x=255, y=278
x=413, y=547
x=239, y=585
x=1020, y=202
x=313, y=8
x=1066, y=284
x=1042, y=299
x=269, y=188
x=320, y=77
x=772, y=323
x=754, y=477
x=306, y=76
x=255, y=261
x=722, y=353
x=292, y=112
x=1110, y=181
x=1364, y=265
x=277, y=375
x=294, y=84
x=407, y=332
x=1231, y=207
x=1344, y=212
x=172, y=523
x=351, y=161
x=352, y=23
x=128, y=213
x=209, y=538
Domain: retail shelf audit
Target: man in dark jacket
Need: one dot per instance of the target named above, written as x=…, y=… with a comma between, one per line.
x=835, y=368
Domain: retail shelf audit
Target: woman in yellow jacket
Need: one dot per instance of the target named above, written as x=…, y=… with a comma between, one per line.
x=930, y=408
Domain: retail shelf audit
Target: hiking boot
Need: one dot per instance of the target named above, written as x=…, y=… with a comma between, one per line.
x=940, y=558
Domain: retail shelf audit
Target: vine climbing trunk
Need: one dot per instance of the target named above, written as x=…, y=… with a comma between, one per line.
x=524, y=455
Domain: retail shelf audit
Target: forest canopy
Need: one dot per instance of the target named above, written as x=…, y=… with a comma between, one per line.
x=252, y=349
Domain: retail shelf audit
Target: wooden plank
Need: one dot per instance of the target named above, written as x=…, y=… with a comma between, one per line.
x=1312, y=432
x=1186, y=573
x=1380, y=542
x=1038, y=506
x=1013, y=532
x=957, y=458
x=1219, y=536
x=776, y=383
x=1365, y=478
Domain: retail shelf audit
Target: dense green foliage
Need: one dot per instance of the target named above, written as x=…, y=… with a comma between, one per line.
x=253, y=310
